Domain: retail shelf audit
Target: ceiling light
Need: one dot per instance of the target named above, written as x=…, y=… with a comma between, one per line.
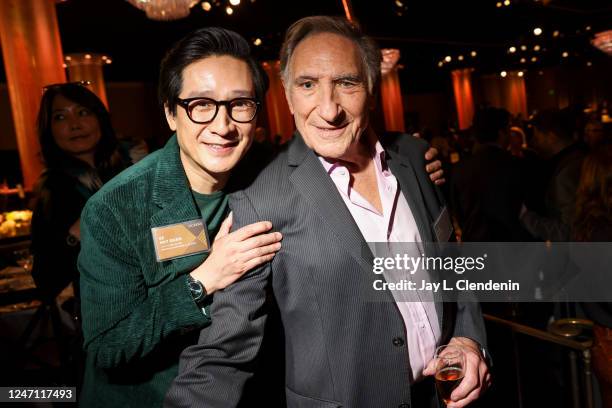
x=441, y=64
x=534, y=59
x=206, y=6
x=503, y=74
x=257, y=42
x=473, y=53
x=164, y=10
x=234, y=2
x=512, y=50
x=499, y=4
x=229, y=10
x=523, y=60
x=460, y=58
x=506, y=2
x=537, y=31
x=448, y=58
x=565, y=54
x=536, y=48
x=556, y=33
x=523, y=48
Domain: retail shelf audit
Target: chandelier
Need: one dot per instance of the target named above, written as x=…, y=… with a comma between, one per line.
x=164, y=10
x=603, y=41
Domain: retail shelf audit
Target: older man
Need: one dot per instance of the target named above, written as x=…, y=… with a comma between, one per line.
x=336, y=187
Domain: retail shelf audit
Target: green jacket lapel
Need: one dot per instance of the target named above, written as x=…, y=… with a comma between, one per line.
x=171, y=190
x=172, y=195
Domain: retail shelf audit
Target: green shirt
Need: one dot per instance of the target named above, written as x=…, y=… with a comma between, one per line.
x=213, y=209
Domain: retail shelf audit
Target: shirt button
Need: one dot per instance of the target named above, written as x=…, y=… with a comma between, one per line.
x=398, y=342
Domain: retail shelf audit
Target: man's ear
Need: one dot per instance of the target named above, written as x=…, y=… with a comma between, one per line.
x=170, y=118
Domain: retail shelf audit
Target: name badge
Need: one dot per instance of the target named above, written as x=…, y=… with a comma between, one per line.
x=180, y=239
x=443, y=226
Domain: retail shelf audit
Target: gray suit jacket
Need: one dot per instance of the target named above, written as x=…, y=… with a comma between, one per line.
x=341, y=348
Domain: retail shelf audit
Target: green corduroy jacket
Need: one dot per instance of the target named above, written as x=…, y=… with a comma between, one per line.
x=138, y=314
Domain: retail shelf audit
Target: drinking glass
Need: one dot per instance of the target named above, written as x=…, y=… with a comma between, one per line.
x=450, y=366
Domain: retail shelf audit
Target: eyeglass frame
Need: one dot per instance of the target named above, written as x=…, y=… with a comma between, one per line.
x=184, y=103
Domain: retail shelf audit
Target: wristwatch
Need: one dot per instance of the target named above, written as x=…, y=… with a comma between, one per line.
x=198, y=291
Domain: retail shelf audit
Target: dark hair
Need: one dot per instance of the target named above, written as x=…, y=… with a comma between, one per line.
x=203, y=43
x=561, y=123
x=488, y=122
x=56, y=158
x=594, y=194
x=305, y=27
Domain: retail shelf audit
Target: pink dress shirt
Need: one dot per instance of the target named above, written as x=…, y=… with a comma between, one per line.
x=395, y=224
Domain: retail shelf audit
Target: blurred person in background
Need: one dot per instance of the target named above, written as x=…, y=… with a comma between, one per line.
x=517, y=142
x=80, y=152
x=553, y=139
x=593, y=223
x=487, y=187
x=597, y=132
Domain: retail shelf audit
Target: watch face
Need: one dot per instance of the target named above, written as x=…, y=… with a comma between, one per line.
x=197, y=291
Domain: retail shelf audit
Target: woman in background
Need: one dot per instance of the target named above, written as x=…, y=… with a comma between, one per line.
x=80, y=152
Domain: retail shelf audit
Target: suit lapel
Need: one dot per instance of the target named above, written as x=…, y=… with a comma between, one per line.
x=312, y=182
x=404, y=172
x=419, y=202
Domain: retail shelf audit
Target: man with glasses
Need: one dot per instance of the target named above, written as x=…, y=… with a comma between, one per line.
x=336, y=186
x=147, y=269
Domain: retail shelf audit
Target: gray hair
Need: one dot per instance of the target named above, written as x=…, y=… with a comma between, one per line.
x=305, y=27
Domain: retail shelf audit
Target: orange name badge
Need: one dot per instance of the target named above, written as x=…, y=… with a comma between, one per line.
x=180, y=239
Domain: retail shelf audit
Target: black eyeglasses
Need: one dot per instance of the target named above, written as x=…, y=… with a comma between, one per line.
x=204, y=110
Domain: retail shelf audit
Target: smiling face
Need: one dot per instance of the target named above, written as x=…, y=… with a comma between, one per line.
x=210, y=151
x=326, y=89
x=75, y=129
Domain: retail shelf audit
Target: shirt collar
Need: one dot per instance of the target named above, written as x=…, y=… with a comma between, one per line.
x=380, y=160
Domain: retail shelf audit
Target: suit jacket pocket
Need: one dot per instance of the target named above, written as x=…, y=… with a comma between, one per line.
x=295, y=400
